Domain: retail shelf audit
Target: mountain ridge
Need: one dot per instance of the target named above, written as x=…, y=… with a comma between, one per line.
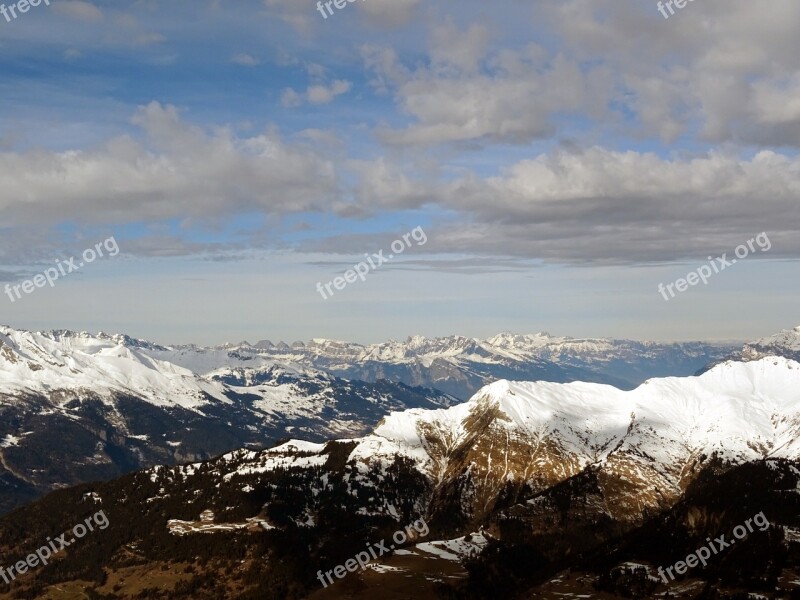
x=457, y=365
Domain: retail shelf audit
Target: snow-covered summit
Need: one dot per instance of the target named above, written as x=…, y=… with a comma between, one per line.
x=785, y=343
x=40, y=362
x=637, y=449
x=741, y=410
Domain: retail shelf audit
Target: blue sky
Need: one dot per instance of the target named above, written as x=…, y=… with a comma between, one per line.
x=563, y=157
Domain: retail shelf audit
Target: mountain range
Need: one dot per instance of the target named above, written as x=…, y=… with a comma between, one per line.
x=111, y=403
x=459, y=365
x=530, y=489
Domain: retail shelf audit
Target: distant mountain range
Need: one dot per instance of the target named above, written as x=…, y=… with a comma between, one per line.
x=459, y=365
x=579, y=489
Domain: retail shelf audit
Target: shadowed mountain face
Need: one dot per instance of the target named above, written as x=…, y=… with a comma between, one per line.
x=556, y=476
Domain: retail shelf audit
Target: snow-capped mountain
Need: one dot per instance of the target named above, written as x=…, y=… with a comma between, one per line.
x=644, y=445
x=460, y=366
x=786, y=343
x=78, y=407
x=557, y=469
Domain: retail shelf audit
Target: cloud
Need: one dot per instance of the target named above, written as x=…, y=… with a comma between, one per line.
x=716, y=72
x=296, y=14
x=79, y=9
x=462, y=94
x=601, y=205
x=290, y=98
x=322, y=94
x=178, y=171
x=315, y=94
x=461, y=51
x=246, y=60
x=719, y=72
x=389, y=13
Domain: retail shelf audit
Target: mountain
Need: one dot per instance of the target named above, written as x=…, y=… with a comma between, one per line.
x=116, y=403
x=459, y=366
x=577, y=489
x=786, y=343
x=78, y=407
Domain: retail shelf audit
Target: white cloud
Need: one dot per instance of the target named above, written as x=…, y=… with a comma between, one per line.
x=462, y=51
x=291, y=98
x=79, y=9
x=322, y=94
x=246, y=60
x=180, y=171
x=602, y=205
x=316, y=94
x=296, y=14
x=720, y=71
x=709, y=72
x=515, y=99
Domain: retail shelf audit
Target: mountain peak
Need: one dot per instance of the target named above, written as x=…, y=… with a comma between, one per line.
x=784, y=343
x=718, y=411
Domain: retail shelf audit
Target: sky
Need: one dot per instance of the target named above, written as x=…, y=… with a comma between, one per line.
x=561, y=160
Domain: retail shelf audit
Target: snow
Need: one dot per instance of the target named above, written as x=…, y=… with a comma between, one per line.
x=455, y=550
x=431, y=549
x=789, y=339
x=742, y=410
x=379, y=568
x=40, y=363
x=298, y=446
x=9, y=440
x=181, y=527
x=66, y=366
x=745, y=411
x=270, y=463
